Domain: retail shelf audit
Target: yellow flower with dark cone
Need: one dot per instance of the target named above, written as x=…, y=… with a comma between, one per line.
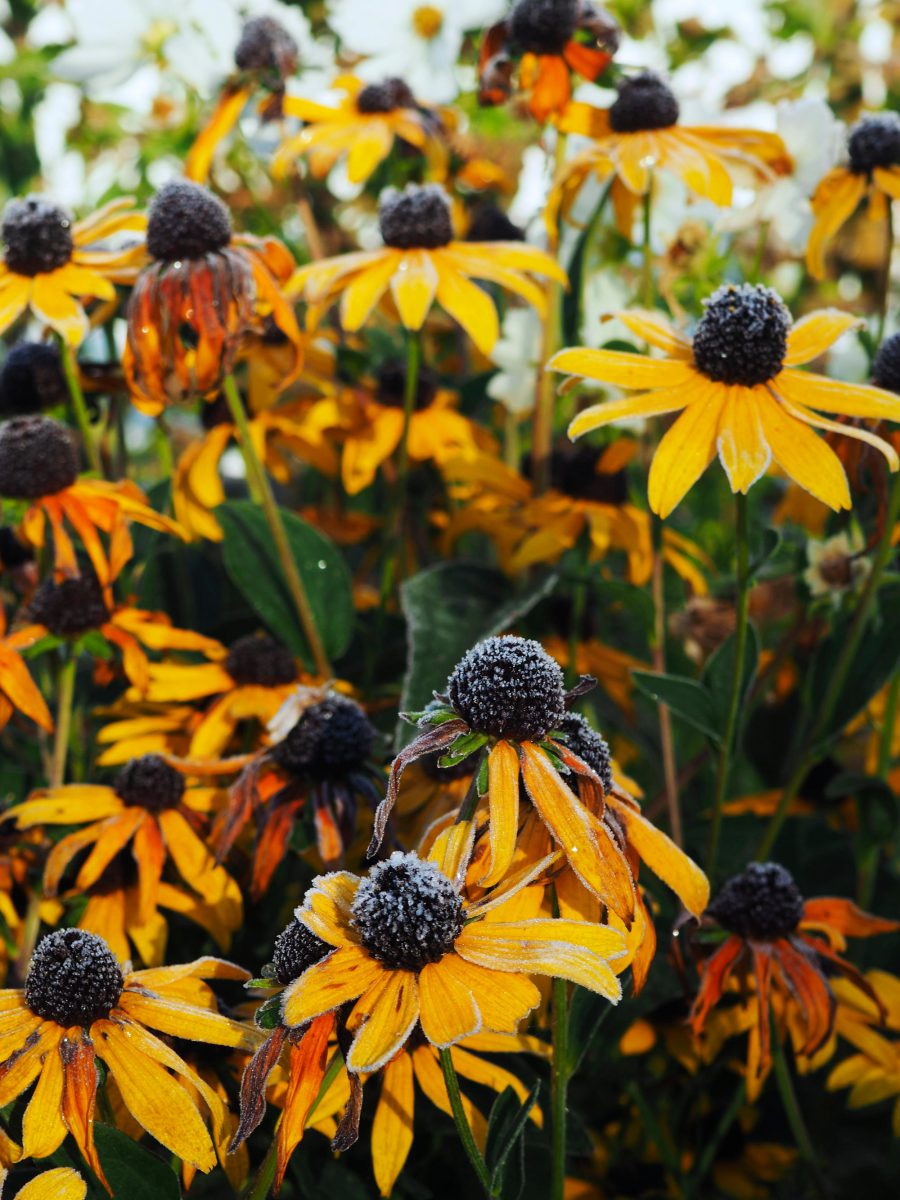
x=364, y=126
x=150, y=811
x=52, y=261
x=639, y=134
x=739, y=394
x=78, y=1005
x=420, y=263
x=872, y=1072
x=872, y=174
x=18, y=691
x=60, y=1183
x=39, y=464
x=205, y=290
x=410, y=950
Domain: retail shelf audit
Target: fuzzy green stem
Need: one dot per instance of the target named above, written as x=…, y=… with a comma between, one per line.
x=79, y=407
x=257, y=476
x=265, y=1176
x=463, y=1128
x=742, y=553
x=65, y=696
x=559, y=1086
x=470, y=803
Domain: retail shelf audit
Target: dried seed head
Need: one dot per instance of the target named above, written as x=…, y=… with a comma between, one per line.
x=644, y=102
x=886, y=368
x=508, y=687
x=874, y=142
x=37, y=458
x=742, y=336
x=407, y=912
x=296, y=949
x=589, y=746
x=31, y=379
x=332, y=739
x=266, y=46
x=150, y=782
x=763, y=903
x=37, y=235
x=260, y=660
x=73, y=979
x=416, y=218
x=71, y=607
x=542, y=26
x=385, y=97
x=391, y=385
x=186, y=221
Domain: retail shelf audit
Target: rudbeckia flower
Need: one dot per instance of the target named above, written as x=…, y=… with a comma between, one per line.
x=149, y=811
x=204, y=291
x=18, y=691
x=872, y=1073
x=78, y=1005
x=51, y=261
x=639, y=134
x=782, y=942
x=39, y=464
x=739, y=395
x=872, y=173
x=321, y=765
x=421, y=262
x=364, y=126
x=409, y=949
x=544, y=35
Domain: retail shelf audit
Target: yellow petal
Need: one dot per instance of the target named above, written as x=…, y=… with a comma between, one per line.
x=743, y=449
x=685, y=451
x=62, y=1183
x=814, y=333
x=388, y=1012
x=851, y=431
x=834, y=202
x=806, y=458
x=187, y=1021
x=644, y=404
x=43, y=1129
x=448, y=1009
x=835, y=396
x=368, y=148
x=413, y=286
x=621, y=369
x=503, y=799
x=366, y=289
x=326, y=907
x=663, y=857
x=392, y=1129
x=655, y=329
x=59, y=310
x=341, y=977
x=471, y=306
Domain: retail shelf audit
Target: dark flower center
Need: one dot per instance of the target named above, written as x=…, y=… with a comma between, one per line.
x=70, y=607
x=742, y=335
x=886, y=368
x=186, y=221
x=261, y=661
x=73, y=979
x=542, y=26
x=874, y=142
x=391, y=390
x=590, y=747
x=491, y=224
x=408, y=914
x=266, y=45
x=573, y=470
x=416, y=218
x=31, y=379
x=37, y=458
x=763, y=903
x=37, y=235
x=643, y=102
x=508, y=687
x=13, y=553
x=150, y=782
x=384, y=97
x=332, y=738
x=296, y=949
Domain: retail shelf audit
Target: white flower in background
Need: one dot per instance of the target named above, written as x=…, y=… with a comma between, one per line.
x=418, y=42
x=7, y=47
x=836, y=565
x=517, y=354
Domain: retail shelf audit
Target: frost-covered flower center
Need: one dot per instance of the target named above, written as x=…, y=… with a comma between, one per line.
x=70, y=607
x=150, y=782
x=643, y=102
x=37, y=235
x=874, y=142
x=408, y=914
x=331, y=739
x=37, y=458
x=742, y=336
x=261, y=661
x=186, y=221
x=416, y=218
x=763, y=903
x=542, y=26
x=590, y=747
x=508, y=687
x=73, y=979
x=296, y=949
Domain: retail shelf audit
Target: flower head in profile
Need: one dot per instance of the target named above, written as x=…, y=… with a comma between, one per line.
x=77, y=1005
x=872, y=174
x=51, y=261
x=421, y=262
x=739, y=395
x=205, y=290
x=639, y=134
x=778, y=941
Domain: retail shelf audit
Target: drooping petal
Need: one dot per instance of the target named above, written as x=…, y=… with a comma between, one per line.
x=645, y=404
x=662, y=856
x=503, y=801
x=714, y=976
x=806, y=458
x=743, y=449
x=431, y=1080
x=448, y=1008
x=366, y=289
x=470, y=305
x=685, y=451
x=80, y=1096
x=337, y=979
x=308, y=1060
x=835, y=396
x=385, y=1017
x=43, y=1128
x=413, y=286
x=834, y=202
x=392, y=1129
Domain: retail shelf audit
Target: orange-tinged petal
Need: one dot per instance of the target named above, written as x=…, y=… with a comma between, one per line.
x=471, y=306
x=308, y=1060
x=503, y=800
x=644, y=404
x=663, y=857
x=80, y=1095
x=20, y=1070
x=225, y=116
x=448, y=1009
x=844, y=916
x=685, y=451
x=743, y=449
x=392, y=1129
x=806, y=458
x=388, y=1012
x=117, y=833
x=21, y=690
x=813, y=334
x=341, y=977
x=621, y=369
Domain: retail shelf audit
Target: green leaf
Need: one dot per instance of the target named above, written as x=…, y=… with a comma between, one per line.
x=132, y=1170
x=448, y=608
x=771, y=540
x=462, y=748
x=253, y=566
x=719, y=671
x=506, y=1126
x=268, y=1015
x=587, y=1012
x=687, y=699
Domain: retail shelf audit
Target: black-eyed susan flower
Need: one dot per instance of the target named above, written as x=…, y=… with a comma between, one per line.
x=872, y=173
x=79, y=1005
x=51, y=261
x=320, y=767
x=363, y=126
x=420, y=263
x=739, y=395
x=39, y=465
x=872, y=1071
x=548, y=39
x=150, y=818
x=204, y=291
x=18, y=691
x=776, y=940
x=639, y=134
x=410, y=951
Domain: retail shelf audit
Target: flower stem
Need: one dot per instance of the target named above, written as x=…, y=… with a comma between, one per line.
x=846, y=658
x=667, y=743
x=742, y=551
x=542, y=419
x=65, y=696
x=793, y=1113
x=79, y=407
x=647, y=288
x=257, y=476
x=463, y=1128
x=559, y=1084
x=394, y=523
x=888, y=720
x=265, y=1176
